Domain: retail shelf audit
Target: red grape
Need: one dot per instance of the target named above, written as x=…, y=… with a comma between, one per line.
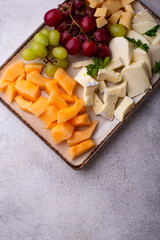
x=89, y=11
x=82, y=37
x=65, y=9
x=73, y=46
x=103, y=51
x=64, y=38
x=63, y=26
x=53, y=17
x=89, y=48
x=79, y=4
x=102, y=35
x=88, y=24
x=77, y=19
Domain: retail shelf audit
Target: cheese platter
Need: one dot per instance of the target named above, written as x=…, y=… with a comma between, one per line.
x=82, y=73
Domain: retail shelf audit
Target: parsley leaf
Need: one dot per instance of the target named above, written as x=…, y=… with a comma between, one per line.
x=138, y=43
x=157, y=68
x=98, y=63
x=152, y=32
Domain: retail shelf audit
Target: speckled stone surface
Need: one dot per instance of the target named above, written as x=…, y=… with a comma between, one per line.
x=115, y=197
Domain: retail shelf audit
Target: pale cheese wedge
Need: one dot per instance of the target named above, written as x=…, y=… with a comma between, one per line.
x=115, y=63
x=110, y=76
x=81, y=64
x=156, y=41
x=143, y=27
x=101, y=86
x=114, y=18
x=137, y=79
x=139, y=55
x=82, y=77
x=137, y=36
x=143, y=16
x=108, y=108
x=89, y=88
x=125, y=106
x=97, y=104
x=125, y=2
x=126, y=19
x=154, y=50
x=118, y=90
x=120, y=47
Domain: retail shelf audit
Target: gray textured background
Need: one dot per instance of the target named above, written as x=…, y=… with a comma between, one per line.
x=116, y=197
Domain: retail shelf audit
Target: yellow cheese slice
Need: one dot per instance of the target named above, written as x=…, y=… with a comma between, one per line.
x=95, y=3
x=114, y=18
x=101, y=22
x=125, y=2
x=112, y=6
x=101, y=12
x=126, y=19
x=128, y=8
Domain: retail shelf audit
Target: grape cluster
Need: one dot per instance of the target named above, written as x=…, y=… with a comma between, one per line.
x=46, y=45
x=75, y=21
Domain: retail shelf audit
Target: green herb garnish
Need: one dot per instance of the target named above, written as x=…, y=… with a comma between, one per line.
x=152, y=32
x=157, y=68
x=98, y=63
x=138, y=43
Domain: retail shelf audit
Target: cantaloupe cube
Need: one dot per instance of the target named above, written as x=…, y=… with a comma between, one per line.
x=81, y=148
x=66, y=82
x=81, y=136
x=81, y=120
x=50, y=125
x=57, y=100
x=28, y=90
x=21, y=77
x=31, y=67
x=82, y=110
x=52, y=86
x=40, y=106
x=70, y=112
x=23, y=104
x=50, y=115
x=62, y=132
x=11, y=92
x=3, y=85
x=13, y=71
x=37, y=79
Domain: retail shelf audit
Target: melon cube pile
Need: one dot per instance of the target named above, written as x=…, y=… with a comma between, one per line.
x=61, y=111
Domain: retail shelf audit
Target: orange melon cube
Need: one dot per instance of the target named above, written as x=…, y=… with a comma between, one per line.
x=11, y=92
x=82, y=110
x=50, y=115
x=81, y=136
x=61, y=132
x=37, y=79
x=28, y=90
x=40, y=106
x=13, y=71
x=57, y=100
x=66, y=82
x=21, y=77
x=81, y=120
x=81, y=148
x=31, y=67
x=50, y=125
x=51, y=86
x=23, y=104
x=70, y=112
x=3, y=85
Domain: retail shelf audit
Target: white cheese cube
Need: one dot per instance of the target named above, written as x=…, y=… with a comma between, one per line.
x=137, y=36
x=101, y=12
x=82, y=77
x=118, y=90
x=81, y=64
x=154, y=50
x=88, y=100
x=137, y=79
x=110, y=76
x=124, y=107
x=120, y=47
x=143, y=16
x=101, y=86
x=108, y=108
x=115, y=63
x=97, y=104
x=139, y=55
x=101, y=22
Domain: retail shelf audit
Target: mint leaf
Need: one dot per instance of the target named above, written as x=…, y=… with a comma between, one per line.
x=152, y=32
x=138, y=43
x=98, y=63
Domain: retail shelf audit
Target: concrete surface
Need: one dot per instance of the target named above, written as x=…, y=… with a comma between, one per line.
x=116, y=197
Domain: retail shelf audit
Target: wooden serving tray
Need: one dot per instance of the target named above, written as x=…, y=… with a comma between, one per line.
x=105, y=128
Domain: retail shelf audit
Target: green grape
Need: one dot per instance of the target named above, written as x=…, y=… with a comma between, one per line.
x=28, y=54
x=46, y=32
x=117, y=30
x=61, y=63
x=50, y=69
x=41, y=38
x=54, y=38
x=39, y=49
x=60, y=52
